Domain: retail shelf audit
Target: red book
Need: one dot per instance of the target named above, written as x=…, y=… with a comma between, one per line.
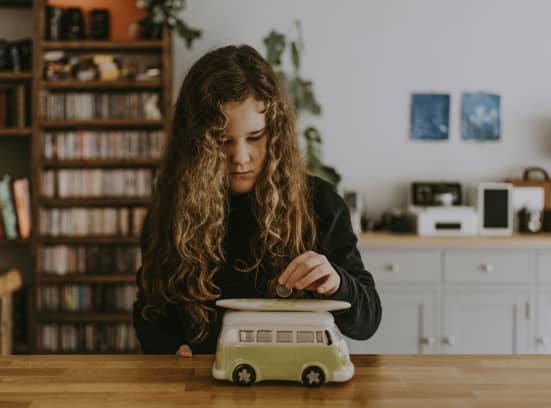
x=2, y=232
x=22, y=207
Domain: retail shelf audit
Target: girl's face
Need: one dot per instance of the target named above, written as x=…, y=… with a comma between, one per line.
x=244, y=143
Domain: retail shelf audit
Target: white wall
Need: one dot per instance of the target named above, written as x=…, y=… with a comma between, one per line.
x=367, y=56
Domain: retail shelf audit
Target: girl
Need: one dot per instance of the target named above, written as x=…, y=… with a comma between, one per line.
x=234, y=214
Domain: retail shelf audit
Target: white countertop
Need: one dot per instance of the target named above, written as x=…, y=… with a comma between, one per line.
x=388, y=239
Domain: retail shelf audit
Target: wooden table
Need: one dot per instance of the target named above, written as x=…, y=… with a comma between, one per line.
x=120, y=381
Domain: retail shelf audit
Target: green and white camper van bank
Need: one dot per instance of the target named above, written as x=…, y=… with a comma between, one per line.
x=281, y=339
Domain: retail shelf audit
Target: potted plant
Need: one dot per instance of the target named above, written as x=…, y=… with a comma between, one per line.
x=164, y=12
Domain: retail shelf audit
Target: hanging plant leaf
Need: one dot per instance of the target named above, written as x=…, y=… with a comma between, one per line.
x=312, y=135
x=164, y=12
x=329, y=174
x=295, y=56
x=187, y=33
x=309, y=101
x=295, y=92
x=275, y=43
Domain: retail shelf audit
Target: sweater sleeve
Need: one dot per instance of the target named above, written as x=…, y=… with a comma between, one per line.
x=165, y=334
x=339, y=244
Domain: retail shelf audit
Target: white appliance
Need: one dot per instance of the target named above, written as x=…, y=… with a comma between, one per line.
x=443, y=221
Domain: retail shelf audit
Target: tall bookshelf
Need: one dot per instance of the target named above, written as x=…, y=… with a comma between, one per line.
x=77, y=273
x=15, y=142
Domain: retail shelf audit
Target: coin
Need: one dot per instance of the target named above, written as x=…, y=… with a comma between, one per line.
x=283, y=291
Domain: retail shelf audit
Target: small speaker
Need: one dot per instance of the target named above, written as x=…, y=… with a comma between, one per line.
x=100, y=24
x=495, y=208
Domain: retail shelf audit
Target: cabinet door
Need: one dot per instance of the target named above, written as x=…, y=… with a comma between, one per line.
x=543, y=325
x=485, y=321
x=408, y=324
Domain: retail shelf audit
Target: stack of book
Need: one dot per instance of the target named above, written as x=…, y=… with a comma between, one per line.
x=90, y=259
x=15, y=208
x=14, y=106
x=15, y=56
x=88, y=337
x=88, y=298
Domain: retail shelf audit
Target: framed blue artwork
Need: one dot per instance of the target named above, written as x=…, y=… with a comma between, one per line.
x=430, y=116
x=481, y=117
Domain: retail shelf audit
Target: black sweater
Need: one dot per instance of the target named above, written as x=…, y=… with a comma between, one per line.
x=336, y=240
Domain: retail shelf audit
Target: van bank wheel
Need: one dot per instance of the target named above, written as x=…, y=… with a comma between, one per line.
x=244, y=374
x=313, y=376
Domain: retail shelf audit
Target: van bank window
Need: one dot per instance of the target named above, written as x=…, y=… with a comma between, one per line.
x=284, y=336
x=305, y=336
x=246, y=336
x=264, y=336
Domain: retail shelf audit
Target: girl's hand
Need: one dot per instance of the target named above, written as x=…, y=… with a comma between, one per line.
x=311, y=271
x=184, y=351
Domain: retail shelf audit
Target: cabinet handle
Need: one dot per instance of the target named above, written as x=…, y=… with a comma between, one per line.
x=486, y=267
x=543, y=340
x=393, y=267
x=428, y=341
x=450, y=340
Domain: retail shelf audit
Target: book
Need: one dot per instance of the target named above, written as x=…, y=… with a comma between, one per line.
x=8, y=210
x=4, y=56
x=22, y=206
x=13, y=105
x=2, y=230
x=20, y=97
x=2, y=109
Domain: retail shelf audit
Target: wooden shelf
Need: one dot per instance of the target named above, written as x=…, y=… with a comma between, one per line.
x=101, y=163
x=84, y=278
x=10, y=243
x=88, y=45
x=103, y=123
x=85, y=316
x=15, y=76
x=95, y=201
x=96, y=240
x=87, y=352
x=101, y=85
x=15, y=132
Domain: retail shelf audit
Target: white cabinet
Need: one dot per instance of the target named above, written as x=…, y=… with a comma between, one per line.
x=542, y=331
x=466, y=295
x=408, y=325
x=542, y=338
x=485, y=321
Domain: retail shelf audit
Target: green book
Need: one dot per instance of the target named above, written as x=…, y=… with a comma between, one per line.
x=8, y=210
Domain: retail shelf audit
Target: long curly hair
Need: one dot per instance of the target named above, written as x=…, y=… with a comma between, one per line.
x=183, y=248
